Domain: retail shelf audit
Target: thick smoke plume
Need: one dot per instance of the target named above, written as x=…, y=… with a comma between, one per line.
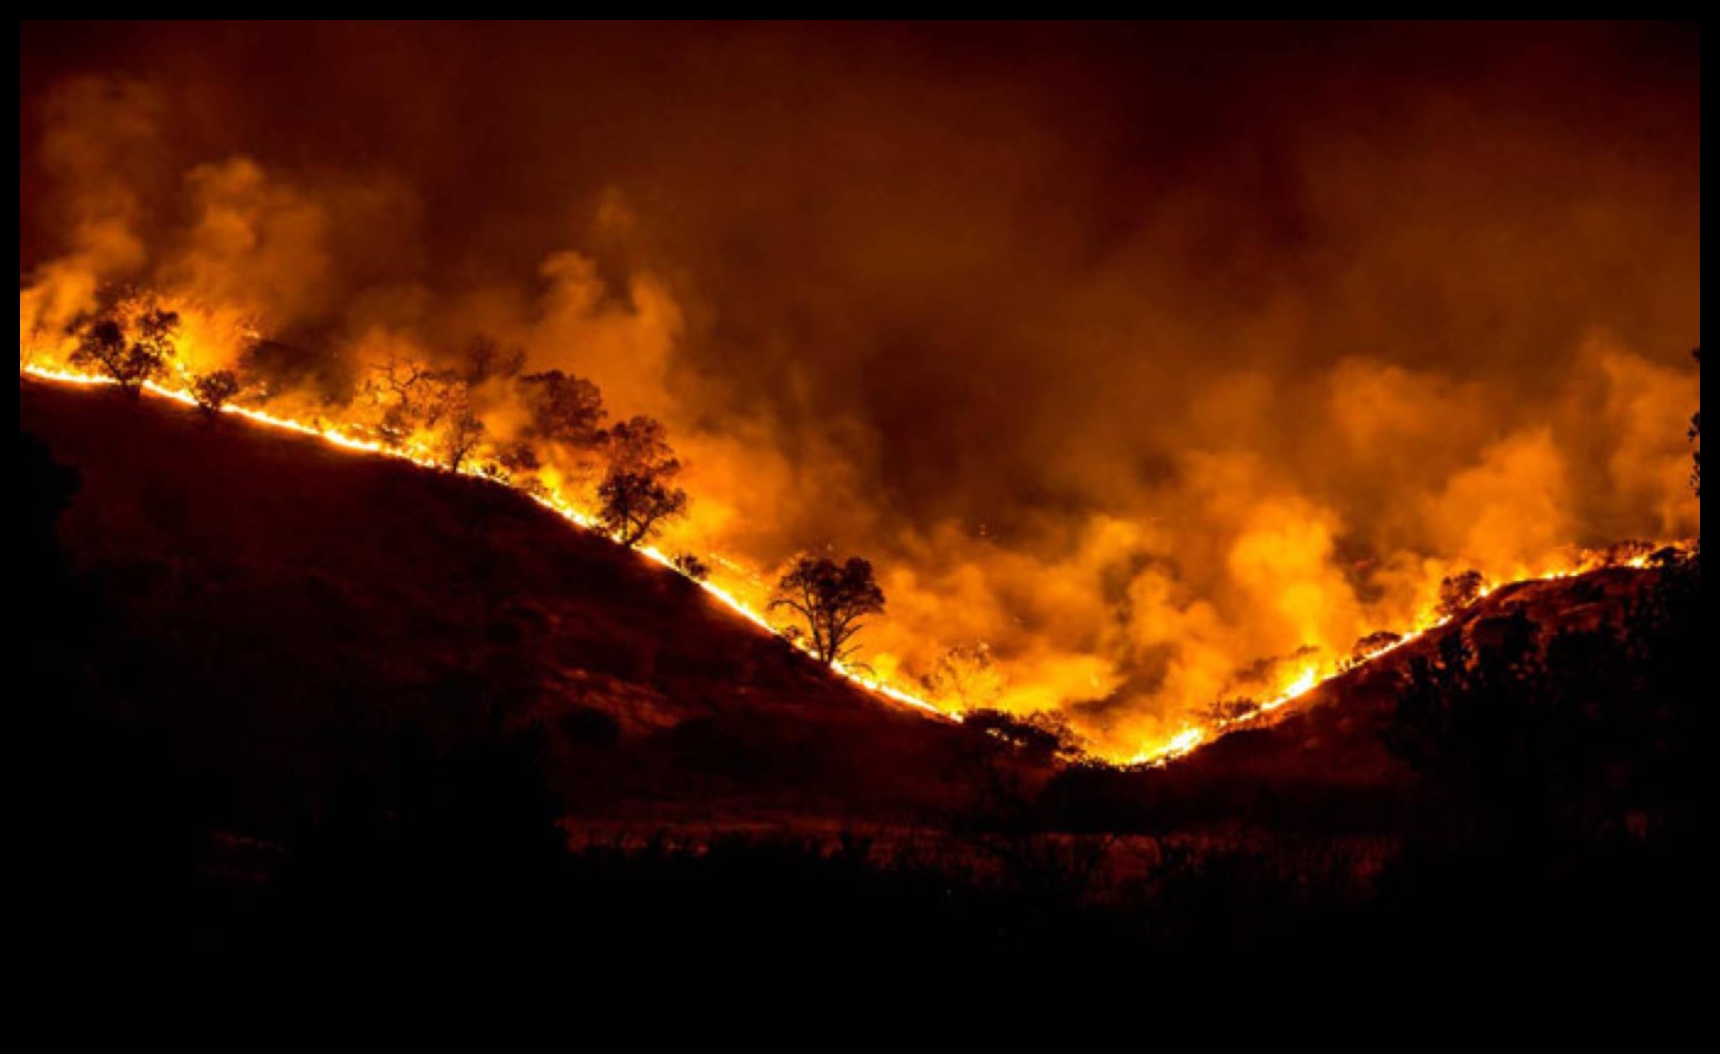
x=1149, y=357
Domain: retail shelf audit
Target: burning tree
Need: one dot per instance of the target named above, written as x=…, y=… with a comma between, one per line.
x=104, y=342
x=1369, y=646
x=1227, y=711
x=832, y=598
x=410, y=395
x=564, y=408
x=433, y=406
x=690, y=565
x=460, y=435
x=640, y=444
x=1458, y=592
x=214, y=391
x=636, y=494
x=513, y=462
x=632, y=505
x=966, y=675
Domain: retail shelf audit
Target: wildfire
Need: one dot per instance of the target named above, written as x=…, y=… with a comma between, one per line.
x=1312, y=676
x=1306, y=678
x=553, y=502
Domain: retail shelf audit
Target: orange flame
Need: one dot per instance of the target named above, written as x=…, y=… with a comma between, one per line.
x=1185, y=740
x=554, y=503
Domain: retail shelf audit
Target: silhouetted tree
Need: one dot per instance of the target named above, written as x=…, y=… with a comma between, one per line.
x=427, y=406
x=640, y=445
x=1041, y=738
x=632, y=505
x=513, y=462
x=1594, y=732
x=966, y=675
x=104, y=342
x=1369, y=646
x=411, y=397
x=690, y=565
x=461, y=434
x=833, y=599
x=1224, y=711
x=564, y=408
x=637, y=494
x=214, y=391
x=157, y=329
x=1458, y=592
x=518, y=458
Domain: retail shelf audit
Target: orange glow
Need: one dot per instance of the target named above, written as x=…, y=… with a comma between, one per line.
x=1310, y=677
x=1164, y=418
x=555, y=503
x=1304, y=678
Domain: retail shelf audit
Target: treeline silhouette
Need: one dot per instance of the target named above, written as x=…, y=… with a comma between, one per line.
x=410, y=405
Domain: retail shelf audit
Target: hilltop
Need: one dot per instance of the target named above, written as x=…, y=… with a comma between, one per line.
x=288, y=612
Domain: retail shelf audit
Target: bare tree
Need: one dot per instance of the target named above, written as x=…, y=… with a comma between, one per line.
x=1367, y=647
x=104, y=342
x=636, y=494
x=690, y=565
x=633, y=505
x=641, y=445
x=564, y=408
x=515, y=461
x=461, y=434
x=832, y=598
x=215, y=390
x=414, y=397
x=157, y=329
x=1458, y=592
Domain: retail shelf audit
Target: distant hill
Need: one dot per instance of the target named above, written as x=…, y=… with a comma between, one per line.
x=1323, y=761
x=1334, y=731
x=286, y=612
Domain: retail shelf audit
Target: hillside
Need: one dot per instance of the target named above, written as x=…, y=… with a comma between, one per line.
x=1323, y=762
x=292, y=611
x=1335, y=731
x=282, y=699
x=287, y=613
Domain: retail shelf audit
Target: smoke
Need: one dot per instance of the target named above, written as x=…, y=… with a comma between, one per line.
x=1148, y=356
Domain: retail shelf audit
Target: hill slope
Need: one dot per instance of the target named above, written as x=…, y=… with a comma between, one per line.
x=285, y=612
x=289, y=611
x=1324, y=760
x=1335, y=730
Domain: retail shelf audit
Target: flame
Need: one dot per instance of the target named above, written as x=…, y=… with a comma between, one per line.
x=1187, y=739
x=1311, y=676
x=417, y=455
